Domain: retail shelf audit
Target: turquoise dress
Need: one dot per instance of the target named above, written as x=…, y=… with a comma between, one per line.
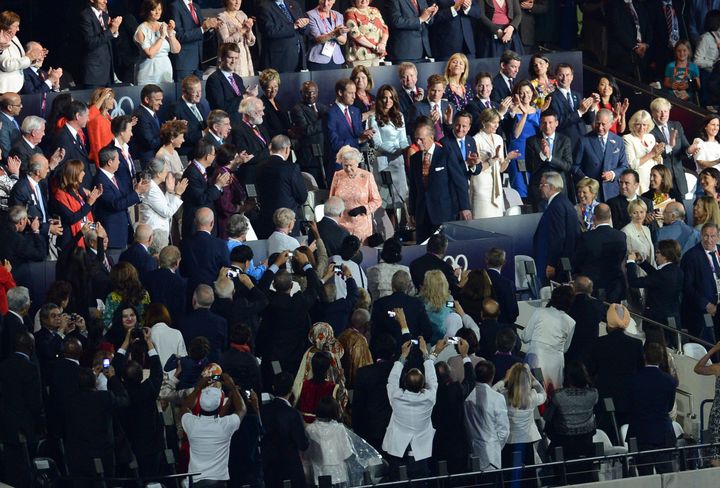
x=532, y=127
x=437, y=320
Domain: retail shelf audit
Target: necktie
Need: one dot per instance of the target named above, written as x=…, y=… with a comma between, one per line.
x=101, y=20
x=196, y=112
x=716, y=264
x=129, y=161
x=40, y=204
x=234, y=85
x=569, y=99
x=549, y=143
x=115, y=182
x=193, y=14
x=285, y=11
x=602, y=144
x=17, y=126
x=257, y=133
x=463, y=149
x=314, y=107
x=438, y=125
x=106, y=263
x=510, y=83
x=487, y=104
x=426, y=168
x=347, y=117
x=415, y=4
x=81, y=138
x=155, y=118
x=636, y=20
x=665, y=133
x=671, y=21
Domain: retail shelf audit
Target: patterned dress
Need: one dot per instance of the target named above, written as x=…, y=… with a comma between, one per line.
x=358, y=191
x=459, y=100
x=367, y=22
x=231, y=30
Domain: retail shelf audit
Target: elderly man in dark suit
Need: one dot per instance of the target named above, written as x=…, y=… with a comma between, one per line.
x=10, y=107
x=600, y=254
x=21, y=411
x=503, y=288
x=279, y=184
x=601, y=155
x=701, y=271
x=15, y=320
x=218, y=128
x=250, y=135
x=72, y=140
x=587, y=312
x=37, y=80
x=282, y=24
x=202, y=322
x=677, y=147
x=32, y=132
x=190, y=27
x=146, y=133
x=194, y=109
x=97, y=31
x=165, y=285
x=21, y=242
x=408, y=23
x=557, y=230
x=199, y=192
x=504, y=81
x=438, y=186
x=629, y=182
x=573, y=111
x=331, y=232
x=307, y=125
x=547, y=151
x=138, y=253
x=434, y=259
x=224, y=87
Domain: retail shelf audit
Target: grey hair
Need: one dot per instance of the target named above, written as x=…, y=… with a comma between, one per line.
x=156, y=166
x=334, y=206
x=604, y=111
x=224, y=287
x=18, y=298
x=36, y=163
x=237, y=225
x=16, y=213
x=249, y=104
x=204, y=296
x=279, y=142
x=554, y=179
x=401, y=281
x=349, y=153
x=282, y=217
x=31, y=123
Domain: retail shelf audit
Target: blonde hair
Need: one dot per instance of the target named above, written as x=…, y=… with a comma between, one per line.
x=712, y=210
x=590, y=183
x=464, y=75
x=659, y=104
x=435, y=289
x=642, y=117
x=518, y=382
x=635, y=204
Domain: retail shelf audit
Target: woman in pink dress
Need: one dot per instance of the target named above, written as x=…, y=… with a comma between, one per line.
x=356, y=187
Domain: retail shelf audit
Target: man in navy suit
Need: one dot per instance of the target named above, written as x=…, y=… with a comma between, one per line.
x=122, y=130
x=146, y=133
x=199, y=192
x=504, y=81
x=202, y=322
x=10, y=107
x=461, y=144
x=192, y=108
x=37, y=80
x=452, y=29
x=557, y=230
x=307, y=118
x=701, y=272
x=218, y=128
x=601, y=155
x=572, y=110
x=503, y=288
x=279, y=185
x=33, y=131
x=165, y=285
x=483, y=99
x=652, y=396
x=72, y=139
x=138, y=253
x=202, y=254
x=409, y=92
x=111, y=209
x=31, y=191
x=438, y=186
x=97, y=31
x=343, y=125
x=408, y=23
x=224, y=87
x=282, y=24
x=331, y=232
x=190, y=27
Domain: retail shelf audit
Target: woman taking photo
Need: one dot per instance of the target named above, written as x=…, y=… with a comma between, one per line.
x=708, y=153
x=237, y=28
x=368, y=34
x=275, y=120
x=156, y=41
x=98, y=128
x=158, y=206
x=486, y=194
x=391, y=141
x=73, y=207
x=458, y=91
x=329, y=33
x=641, y=149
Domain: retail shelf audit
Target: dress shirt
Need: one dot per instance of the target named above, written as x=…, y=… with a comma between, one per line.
x=106, y=26
x=48, y=82
x=72, y=130
x=551, y=141
x=507, y=80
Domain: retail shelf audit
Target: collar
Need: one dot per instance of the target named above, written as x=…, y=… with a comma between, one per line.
x=121, y=145
x=652, y=366
x=96, y=11
x=109, y=175
x=72, y=130
x=341, y=106
x=148, y=109
x=217, y=138
x=23, y=355
x=17, y=315
x=32, y=146
x=551, y=136
x=431, y=150
x=663, y=265
x=506, y=78
x=552, y=197
x=73, y=360
x=499, y=271
x=229, y=74
x=633, y=198
x=565, y=91
x=604, y=224
x=284, y=400
x=200, y=167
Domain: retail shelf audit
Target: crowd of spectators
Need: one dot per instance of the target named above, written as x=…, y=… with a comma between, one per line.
x=163, y=330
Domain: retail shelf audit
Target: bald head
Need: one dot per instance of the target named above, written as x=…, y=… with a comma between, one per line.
x=204, y=219
x=583, y=284
x=601, y=214
x=10, y=104
x=203, y=297
x=490, y=309
x=143, y=234
x=72, y=348
x=414, y=381
x=673, y=211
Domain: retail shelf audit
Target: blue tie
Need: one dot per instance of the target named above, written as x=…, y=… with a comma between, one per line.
x=463, y=149
x=285, y=11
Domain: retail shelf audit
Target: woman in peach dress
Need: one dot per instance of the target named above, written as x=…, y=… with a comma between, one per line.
x=236, y=27
x=356, y=187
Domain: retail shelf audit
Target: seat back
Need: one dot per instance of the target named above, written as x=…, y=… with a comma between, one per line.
x=695, y=350
x=602, y=437
x=522, y=281
x=319, y=212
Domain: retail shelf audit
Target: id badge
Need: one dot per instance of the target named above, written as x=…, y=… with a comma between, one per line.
x=328, y=49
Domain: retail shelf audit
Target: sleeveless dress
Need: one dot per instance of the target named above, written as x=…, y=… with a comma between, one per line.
x=155, y=70
x=531, y=128
x=486, y=195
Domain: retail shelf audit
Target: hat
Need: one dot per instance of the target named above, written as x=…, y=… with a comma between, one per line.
x=210, y=399
x=618, y=317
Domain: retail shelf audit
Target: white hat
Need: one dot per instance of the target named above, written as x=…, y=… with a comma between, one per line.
x=210, y=399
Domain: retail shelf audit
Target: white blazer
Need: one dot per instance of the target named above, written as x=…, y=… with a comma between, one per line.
x=411, y=421
x=488, y=426
x=157, y=208
x=12, y=63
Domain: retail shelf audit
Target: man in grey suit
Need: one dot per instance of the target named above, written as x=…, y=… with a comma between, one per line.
x=545, y=152
x=677, y=146
x=408, y=21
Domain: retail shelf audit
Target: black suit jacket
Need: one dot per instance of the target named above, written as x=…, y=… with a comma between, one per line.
x=415, y=313
x=450, y=33
x=587, y=313
x=448, y=418
x=371, y=406
x=600, y=255
x=619, y=209
x=63, y=382
x=23, y=194
x=332, y=235
x=21, y=248
x=138, y=256
x=202, y=257
x=181, y=111
x=244, y=369
x=663, y=290
x=74, y=149
x=33, y=83
x=279, y=185
x=146, y=135
x=555, y=235
x=428, y=262
x=282, y=43
x=11, y=327
x=620, y=46
x=569, y=122
x=276, y=122
x=698, y=287
x=21, y=402
x=674, y=159
x=561, y=161
x=220, y=95
x=501, y=89
x=202, y=322
x=199, y=193
x=167, y=288
x=504, y=293
x=141, y=421
x=22, y=150
x=652, y=396
x=409, y=38
x=47, y=345
x=97, y=49
x=475, y=108
x=281, y=445
x=245, y=139
x=308, y=124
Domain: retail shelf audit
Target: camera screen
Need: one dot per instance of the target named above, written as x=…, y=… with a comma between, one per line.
x=450, y=304
x=391, y=313
x=106, y=363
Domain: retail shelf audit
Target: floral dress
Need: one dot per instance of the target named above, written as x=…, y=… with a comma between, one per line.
x=542, y=91
x=459, y=100
x=367, y=22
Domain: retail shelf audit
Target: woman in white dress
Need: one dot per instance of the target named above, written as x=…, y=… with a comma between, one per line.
x=708, y=153
x=641, y=149
x=486, y=193
x=548, y=335
x=156, y=40
x=390, y=141
x=172, y=136
x=638, y=241
x=158, y=206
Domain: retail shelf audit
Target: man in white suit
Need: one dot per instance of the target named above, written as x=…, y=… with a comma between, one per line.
x=409, y=436
x=486, y=418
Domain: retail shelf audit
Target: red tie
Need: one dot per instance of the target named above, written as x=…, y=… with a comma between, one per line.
x=415, y=4
x=347, y=117
x=115, y=182
x=81, y=137
x=102, y=21
x=193, y=13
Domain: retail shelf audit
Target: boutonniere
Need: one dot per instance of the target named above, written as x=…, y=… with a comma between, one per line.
x=612, y=141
